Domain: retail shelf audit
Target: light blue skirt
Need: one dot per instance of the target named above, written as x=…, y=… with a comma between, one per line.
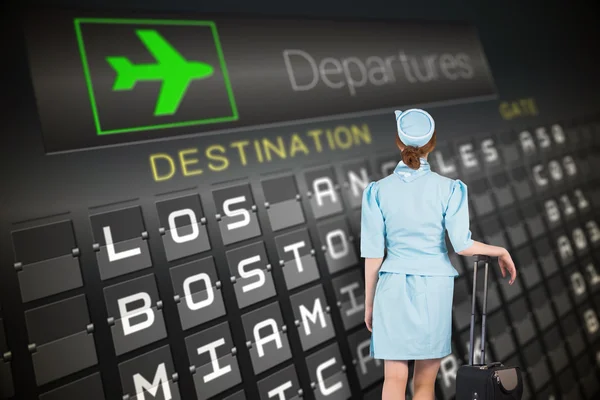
x=412, y=317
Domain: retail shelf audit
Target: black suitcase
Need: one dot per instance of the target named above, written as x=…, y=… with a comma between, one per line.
x=492, y=381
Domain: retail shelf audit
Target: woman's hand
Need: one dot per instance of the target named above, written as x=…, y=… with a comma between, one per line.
x=507, y=265
x=369, y=318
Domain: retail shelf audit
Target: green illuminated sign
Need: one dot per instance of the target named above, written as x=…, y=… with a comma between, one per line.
x=171, y=68
x=154, y=74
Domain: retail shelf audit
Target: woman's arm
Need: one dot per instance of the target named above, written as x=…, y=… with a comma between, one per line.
x=372, y=266
x=457, y=223
x=483, y=249
x=505, y=261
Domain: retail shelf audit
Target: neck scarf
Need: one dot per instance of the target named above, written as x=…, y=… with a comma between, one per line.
x=408, y=174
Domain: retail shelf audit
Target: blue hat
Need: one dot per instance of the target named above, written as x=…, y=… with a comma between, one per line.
x=415, y=126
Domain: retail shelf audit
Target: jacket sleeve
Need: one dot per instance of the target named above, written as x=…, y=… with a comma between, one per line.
x=457, y=217
x=372, y=227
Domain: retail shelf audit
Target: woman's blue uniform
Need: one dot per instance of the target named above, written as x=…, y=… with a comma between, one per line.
x=404, y=218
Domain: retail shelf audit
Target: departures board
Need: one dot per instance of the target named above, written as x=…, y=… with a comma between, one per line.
x=184, y=221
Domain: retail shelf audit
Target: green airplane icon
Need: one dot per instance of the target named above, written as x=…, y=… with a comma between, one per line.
x=171, y=68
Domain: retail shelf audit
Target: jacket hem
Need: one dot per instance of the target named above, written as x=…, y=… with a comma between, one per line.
x=439, y=265
x=424, y=271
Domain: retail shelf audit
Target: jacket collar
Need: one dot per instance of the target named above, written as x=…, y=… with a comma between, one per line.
x=408, y=174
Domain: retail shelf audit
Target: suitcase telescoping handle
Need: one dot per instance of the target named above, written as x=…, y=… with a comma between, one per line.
x=487, y=259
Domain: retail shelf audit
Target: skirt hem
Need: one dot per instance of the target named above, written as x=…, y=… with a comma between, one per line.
x=414, y=357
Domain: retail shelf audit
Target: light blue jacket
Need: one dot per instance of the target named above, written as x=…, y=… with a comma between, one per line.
x=405, y=215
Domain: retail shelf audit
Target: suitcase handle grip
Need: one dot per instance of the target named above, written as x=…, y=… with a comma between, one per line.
x=491, y=365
